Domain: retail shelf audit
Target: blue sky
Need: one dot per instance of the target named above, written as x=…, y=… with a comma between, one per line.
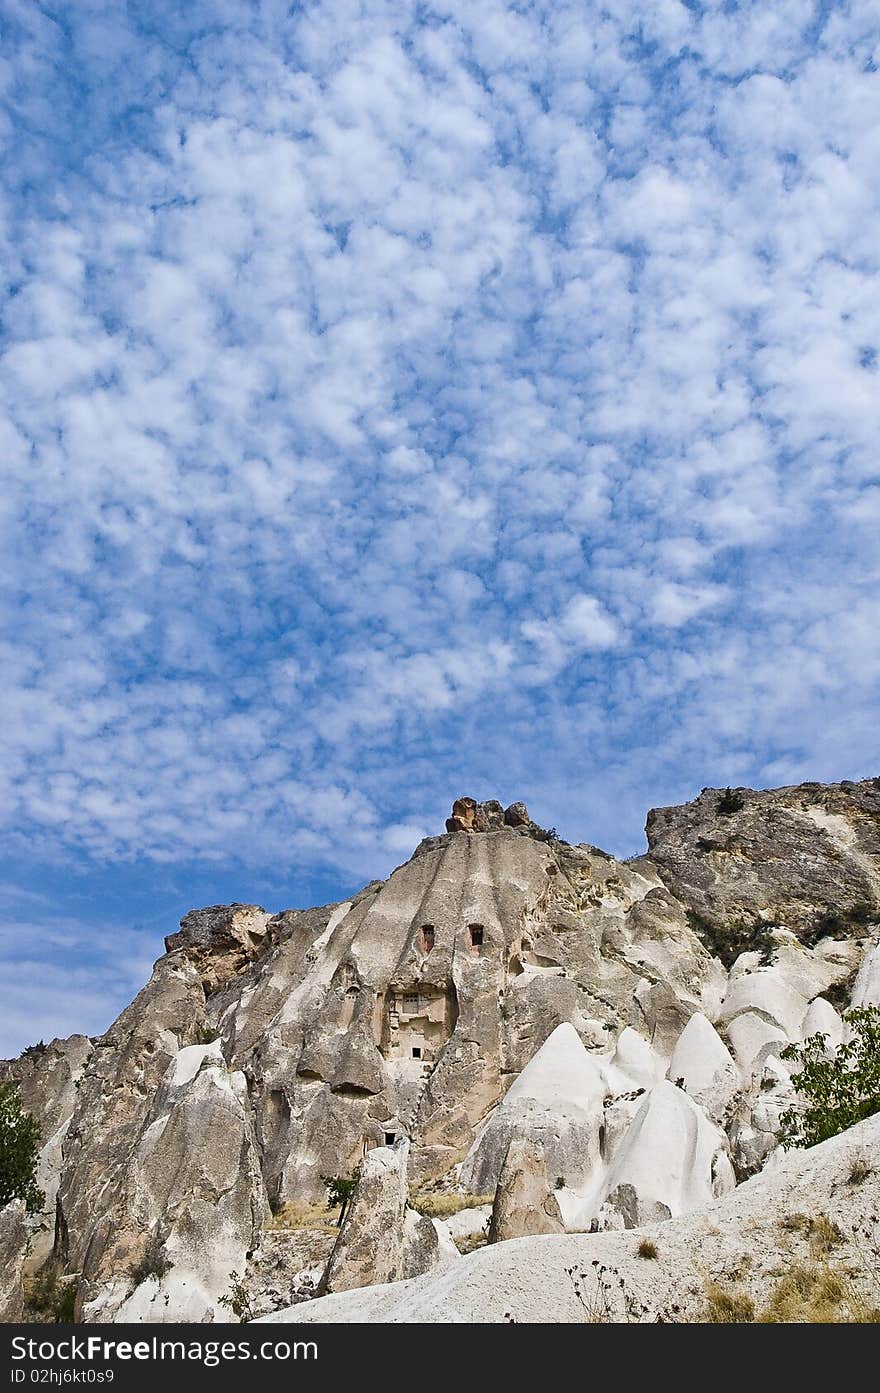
x=407, y=400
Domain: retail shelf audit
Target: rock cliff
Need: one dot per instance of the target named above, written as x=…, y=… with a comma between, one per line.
x=508, y=1014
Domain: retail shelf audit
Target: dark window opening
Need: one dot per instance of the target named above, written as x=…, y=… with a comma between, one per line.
x=427, y=938
x=476, y=935
x=390, y=1138
x=417, y=1053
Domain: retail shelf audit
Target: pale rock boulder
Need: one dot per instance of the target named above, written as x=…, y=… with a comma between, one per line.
x=704, y=1063
x=556, y=1101
x=525, y=1200
x=822, y=1019
x=753, y=1039
x=810, y=972
x=769, y=993
x=382, y=1239
x=866, y=989
x=467, y=1223
x=13, y=1252
x=193, y=1201
x=671, y=1161
x=634, y=1064
x=426, y=1244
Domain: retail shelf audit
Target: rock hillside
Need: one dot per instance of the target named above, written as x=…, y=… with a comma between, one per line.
x=518, y=1016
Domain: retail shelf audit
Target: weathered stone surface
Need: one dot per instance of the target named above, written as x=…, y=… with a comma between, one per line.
x=191, y=1202
x=48, y=1077
x=866, y=991
x=382, y=1239
x=671, y=1161
x=13, y=1252
x=412, y=1011
x=788, y=856
x=221, y=940
x=115, y=1098
x=525, y=1202
x=287, y=1268
x=745, y=1241
x=555, y=1106
x=705, y=1067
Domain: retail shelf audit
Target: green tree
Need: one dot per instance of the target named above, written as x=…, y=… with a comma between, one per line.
x=839, y=1089
x=19, y=1145
x=340, y=1189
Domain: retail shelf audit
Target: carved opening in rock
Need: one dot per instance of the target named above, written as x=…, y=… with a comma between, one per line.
x=427, y=938
x=420, y=1020
x=276, y=1104
x=476, y=933
x=346, y=1014
x=390, y=1138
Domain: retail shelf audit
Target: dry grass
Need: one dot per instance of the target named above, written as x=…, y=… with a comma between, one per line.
x=727, y=1307
x=859, y=1168
x=469, y=1242
x=647, y=1248
x=823, y=1233
x=438, y=1205
x=304, y=1216
x=811, y=1293
x=815, y=1294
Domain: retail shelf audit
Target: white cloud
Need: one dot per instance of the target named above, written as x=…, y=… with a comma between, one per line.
x=378, y=394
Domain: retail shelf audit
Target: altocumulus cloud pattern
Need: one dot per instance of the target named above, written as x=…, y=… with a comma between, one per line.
x=401, y=400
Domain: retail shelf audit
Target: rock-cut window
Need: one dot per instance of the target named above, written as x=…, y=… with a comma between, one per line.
x=476, y=933
x=427, y=937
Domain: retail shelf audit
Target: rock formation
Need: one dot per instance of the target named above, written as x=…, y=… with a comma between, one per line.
x=383, y=1239
x=515, y=1011
x=13, y=1252
x=806, y=1221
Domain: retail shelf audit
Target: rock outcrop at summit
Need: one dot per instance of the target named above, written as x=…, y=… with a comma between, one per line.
x=523, y=1016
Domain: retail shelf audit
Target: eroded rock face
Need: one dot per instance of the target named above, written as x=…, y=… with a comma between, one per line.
x=556, y=1106
x=382, y=1239
x=190, y=1207
x=745, y=1242
x=13, y=1252
x=793, y=856
x=525, y=1202
x=115, y=1099
x=412, y=1010
x=48, y=1078
x=220, y=940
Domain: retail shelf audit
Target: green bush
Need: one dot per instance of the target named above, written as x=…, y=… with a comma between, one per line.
x=840, y=1089
x=727, y=940
x=238, y=1299
x=19, y=1147
x=730, y=803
